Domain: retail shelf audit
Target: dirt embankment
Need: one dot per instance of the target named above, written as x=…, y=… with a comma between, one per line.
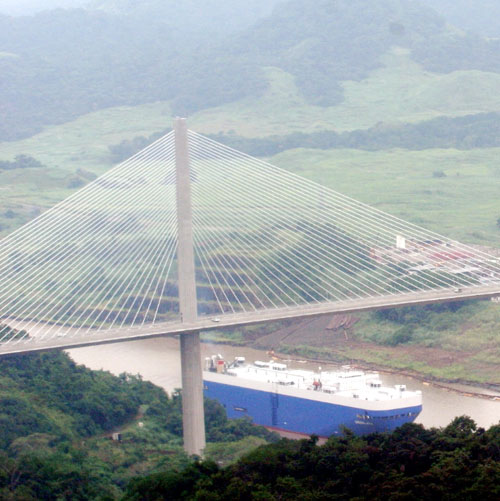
x=334, y=340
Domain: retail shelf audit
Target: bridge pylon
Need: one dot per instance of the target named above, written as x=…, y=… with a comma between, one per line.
x=193, y=418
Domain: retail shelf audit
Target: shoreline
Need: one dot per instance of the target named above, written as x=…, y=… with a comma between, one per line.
x=443, y=384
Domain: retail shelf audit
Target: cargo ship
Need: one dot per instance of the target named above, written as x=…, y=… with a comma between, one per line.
x=304, y=403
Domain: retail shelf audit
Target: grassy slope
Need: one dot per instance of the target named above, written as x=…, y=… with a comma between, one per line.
x=84, y=141
x=460, y=346
x=400, y=91
x=80, y=144
x=464, y=345
x=462, y=205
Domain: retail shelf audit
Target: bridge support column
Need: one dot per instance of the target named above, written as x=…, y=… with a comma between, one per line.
x=193, y=416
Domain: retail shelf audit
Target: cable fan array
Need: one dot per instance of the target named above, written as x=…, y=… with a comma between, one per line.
x=264, y=238
x=100, y=259
x=267, y=238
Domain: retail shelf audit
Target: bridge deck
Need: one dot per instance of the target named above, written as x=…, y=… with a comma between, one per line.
x=70, y=340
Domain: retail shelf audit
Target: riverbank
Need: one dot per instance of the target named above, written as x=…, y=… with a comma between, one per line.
x=461, y=387
x=399, y=365
x=464, y=388
x=344, y=341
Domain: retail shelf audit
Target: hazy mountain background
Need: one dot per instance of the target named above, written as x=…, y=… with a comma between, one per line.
x=81, y=88
x=59, y=64
x=28, y=7
x=481, y=16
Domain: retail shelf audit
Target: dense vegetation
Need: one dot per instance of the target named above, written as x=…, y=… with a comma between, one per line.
x=64, y=63
x=463, y=133
x=35, y=386
x=21, y=162
x=458, y=462
x=472, y=131
x=129, y=147
x=435, y=317
x=56, y=418
x=54, y=414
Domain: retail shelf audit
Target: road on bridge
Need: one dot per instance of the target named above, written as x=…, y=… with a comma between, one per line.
x=76, y=338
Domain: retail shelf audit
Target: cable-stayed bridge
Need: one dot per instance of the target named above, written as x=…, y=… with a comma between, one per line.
x=189, y=235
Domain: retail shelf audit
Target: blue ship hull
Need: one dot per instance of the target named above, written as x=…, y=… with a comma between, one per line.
x=305, y=416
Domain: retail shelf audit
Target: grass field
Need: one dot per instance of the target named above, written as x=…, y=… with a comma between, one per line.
x=463, y=205
x=463, y=345
x=83, y=143
x=80, y=144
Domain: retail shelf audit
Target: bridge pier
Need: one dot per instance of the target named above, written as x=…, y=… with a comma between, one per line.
x=193, y=416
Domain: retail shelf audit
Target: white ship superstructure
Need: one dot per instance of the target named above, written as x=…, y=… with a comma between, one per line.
x=309, y=402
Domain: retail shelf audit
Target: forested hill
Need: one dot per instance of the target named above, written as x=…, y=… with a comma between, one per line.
x=457, y=463
x=471, y=131
x=338, y=41
x=56, y=420
x=59, y=64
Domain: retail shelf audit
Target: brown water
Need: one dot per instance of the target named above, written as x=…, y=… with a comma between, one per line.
x=158, y=361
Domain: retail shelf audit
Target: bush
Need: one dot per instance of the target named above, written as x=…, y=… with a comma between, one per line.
x=75, y=182
x=85, y=174
x=438, y=174
x=21, y=162
x=401, y=336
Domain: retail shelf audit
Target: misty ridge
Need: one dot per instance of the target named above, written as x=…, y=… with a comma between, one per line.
x=59, y=64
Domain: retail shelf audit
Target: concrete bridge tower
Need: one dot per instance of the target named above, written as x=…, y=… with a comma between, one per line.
x=193, y=418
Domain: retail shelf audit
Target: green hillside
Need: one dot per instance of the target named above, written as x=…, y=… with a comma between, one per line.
x=462, y=204
x=57, y=419
x=471, y=175
x=397, y=93
x=458, y=462
x=64, y=63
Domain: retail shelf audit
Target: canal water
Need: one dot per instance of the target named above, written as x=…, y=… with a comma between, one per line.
x=158, y=360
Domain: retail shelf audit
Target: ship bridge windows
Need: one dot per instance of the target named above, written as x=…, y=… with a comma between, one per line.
x=278, y=367
x=329, y=390
x=261, y=364
x=350, y=375
x=270, y=365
